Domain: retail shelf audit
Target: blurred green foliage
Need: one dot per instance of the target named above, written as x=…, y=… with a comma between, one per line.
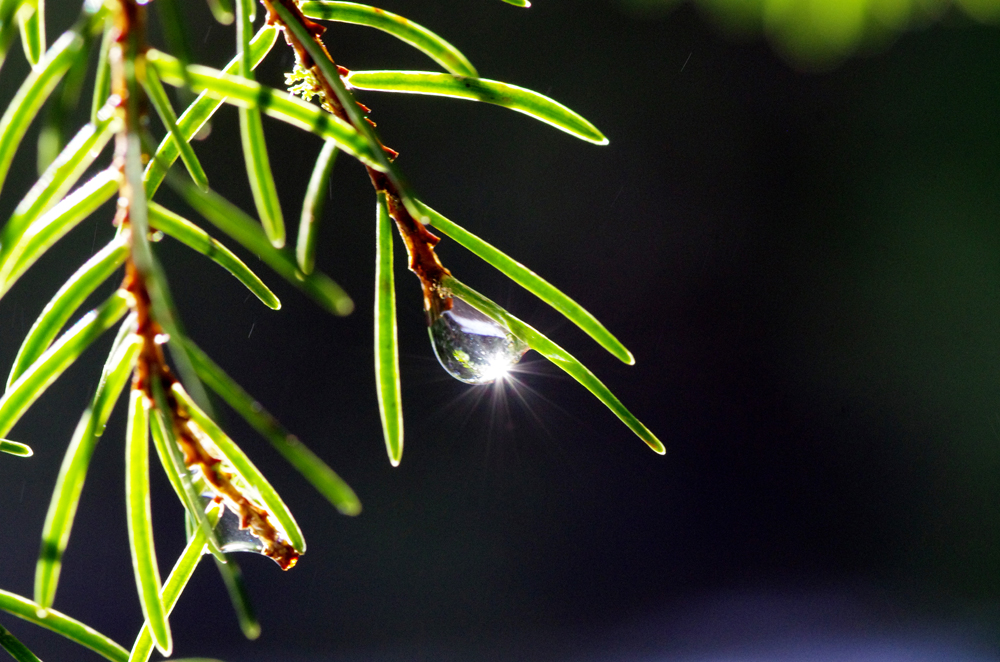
x=819, y=34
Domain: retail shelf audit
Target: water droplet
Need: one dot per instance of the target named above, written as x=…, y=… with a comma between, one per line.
x=229, y=534
x=234, y=539
x=161, y=338
x=472, y=347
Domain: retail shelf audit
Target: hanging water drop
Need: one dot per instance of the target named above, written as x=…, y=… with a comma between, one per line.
x=234, y=539
x=472, y=347
x=229, y=534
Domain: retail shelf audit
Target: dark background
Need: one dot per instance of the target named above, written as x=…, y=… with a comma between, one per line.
x=806, y=267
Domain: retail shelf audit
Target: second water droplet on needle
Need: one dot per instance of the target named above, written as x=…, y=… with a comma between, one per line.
x=234, y=539
x=229, y=534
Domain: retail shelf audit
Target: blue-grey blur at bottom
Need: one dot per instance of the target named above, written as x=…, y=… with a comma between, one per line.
x=791, y=626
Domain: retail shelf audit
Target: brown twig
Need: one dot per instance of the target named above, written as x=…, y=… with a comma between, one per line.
x=419, y=241
x=151, y=365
